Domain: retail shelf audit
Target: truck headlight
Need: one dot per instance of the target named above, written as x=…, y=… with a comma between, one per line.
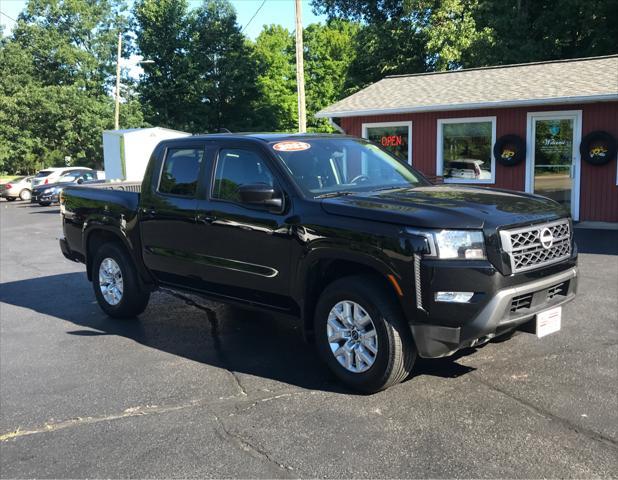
x=48, y=190
x=453, y=244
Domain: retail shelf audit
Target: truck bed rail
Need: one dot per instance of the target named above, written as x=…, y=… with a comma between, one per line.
x=122, y=186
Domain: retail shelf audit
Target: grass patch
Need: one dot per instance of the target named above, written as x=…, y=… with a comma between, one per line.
x=7, y=178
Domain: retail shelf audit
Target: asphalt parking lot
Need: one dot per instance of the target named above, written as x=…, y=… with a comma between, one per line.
x=197, y=389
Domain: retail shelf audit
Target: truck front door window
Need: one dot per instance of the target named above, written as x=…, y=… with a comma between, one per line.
x=236, y=167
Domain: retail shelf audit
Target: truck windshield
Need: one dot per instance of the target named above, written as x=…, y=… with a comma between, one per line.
x=329, y=165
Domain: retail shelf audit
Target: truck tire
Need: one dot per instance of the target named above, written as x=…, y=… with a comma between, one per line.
x=115, y=283
x=361, y=334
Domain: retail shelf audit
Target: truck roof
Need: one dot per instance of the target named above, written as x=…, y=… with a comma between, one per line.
x=263, y=137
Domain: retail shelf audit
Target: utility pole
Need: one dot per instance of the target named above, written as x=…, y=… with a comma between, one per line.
x=117, y=110
x=300, y=70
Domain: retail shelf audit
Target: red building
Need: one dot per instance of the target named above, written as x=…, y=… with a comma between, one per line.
x=548, y=128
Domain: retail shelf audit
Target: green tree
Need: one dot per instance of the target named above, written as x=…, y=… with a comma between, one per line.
x=167, y=86
x=225, y=71
x=276, y=106
x=203, y=77
x=330, y=51
x=536, y=30
x=54, y=84
x=408, y=36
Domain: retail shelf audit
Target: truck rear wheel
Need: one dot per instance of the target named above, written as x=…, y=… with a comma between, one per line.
x=362, y=336
x=115, y=283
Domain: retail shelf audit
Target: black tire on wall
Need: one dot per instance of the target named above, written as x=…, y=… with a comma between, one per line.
x=598, y=148
x=510, y=150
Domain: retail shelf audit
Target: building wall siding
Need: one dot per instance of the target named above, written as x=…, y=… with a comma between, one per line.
x=598, y=190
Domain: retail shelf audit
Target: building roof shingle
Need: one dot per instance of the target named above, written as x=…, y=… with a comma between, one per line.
x=562, y=81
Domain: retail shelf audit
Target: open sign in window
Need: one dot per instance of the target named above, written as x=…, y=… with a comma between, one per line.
x=396, y=137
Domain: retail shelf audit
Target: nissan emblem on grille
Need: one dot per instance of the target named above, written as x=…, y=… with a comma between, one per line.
x=547, y=239
x=537, y=245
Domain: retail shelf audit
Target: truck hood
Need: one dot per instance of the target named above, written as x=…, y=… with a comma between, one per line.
x=443, y=206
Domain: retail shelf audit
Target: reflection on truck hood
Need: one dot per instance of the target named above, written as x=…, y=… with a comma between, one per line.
x=446, y=206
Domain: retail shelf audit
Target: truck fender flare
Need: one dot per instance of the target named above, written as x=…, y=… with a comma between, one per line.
x=92, y=227
x=303, y=279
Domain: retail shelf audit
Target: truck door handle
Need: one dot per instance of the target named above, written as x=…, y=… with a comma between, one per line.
x=207, y=219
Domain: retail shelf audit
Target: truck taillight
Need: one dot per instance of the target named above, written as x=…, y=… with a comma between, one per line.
x=46, y=181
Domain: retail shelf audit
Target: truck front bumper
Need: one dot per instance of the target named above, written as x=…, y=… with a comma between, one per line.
x=506, y=310
x=68, y=253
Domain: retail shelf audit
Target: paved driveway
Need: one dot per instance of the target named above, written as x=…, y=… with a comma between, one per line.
x=196, y=389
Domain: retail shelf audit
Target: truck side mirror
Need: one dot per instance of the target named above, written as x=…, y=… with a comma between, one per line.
x=261, y=194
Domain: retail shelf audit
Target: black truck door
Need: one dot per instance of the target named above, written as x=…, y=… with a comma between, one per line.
x=167, y=213
x=244, y=250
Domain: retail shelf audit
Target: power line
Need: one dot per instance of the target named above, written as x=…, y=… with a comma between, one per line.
x=10, y=18
x=251, y=19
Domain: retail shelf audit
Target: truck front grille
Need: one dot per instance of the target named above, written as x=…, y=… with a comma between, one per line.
x=538, y=245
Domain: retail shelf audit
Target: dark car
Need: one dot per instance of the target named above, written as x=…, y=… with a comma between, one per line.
x=45, y=195
x=379, y=265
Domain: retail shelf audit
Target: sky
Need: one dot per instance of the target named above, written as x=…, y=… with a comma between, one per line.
x=273, y=11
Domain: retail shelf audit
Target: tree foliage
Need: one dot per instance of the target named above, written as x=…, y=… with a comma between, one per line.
x=57, y=67
x=162, y=37
x=54, y=76
x=425, y=35
x=274, y=54
x=203, y=77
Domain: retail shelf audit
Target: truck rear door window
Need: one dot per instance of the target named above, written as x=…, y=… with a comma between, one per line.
x=180, y=171
x=236, y=167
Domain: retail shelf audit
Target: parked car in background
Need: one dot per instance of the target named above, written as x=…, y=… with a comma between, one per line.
x=19, y=187
x=465, y=168
x=51, y=175
x=47, y=194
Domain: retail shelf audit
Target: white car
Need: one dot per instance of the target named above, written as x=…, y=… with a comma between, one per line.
x=51, y=175
x=17, y=188
x=468, y=169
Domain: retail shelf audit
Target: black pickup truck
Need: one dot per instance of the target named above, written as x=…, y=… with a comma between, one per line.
x=379, y=264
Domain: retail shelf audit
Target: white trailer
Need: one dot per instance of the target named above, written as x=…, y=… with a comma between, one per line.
x=126, y=152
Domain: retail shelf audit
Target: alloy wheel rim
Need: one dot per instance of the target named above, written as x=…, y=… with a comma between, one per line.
x=25, y=195
x=110, y=281
x=352, y=336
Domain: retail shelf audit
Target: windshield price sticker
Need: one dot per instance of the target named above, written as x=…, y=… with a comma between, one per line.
x=291, y=146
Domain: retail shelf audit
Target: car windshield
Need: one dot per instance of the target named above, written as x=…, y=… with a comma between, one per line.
x=322, y=166
x=67, y=178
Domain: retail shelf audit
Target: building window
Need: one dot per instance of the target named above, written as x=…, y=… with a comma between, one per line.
x=395, y=137
x=464, y=150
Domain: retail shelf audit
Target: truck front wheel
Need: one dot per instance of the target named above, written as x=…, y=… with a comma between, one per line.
x=361, y=334
x=115, y=283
